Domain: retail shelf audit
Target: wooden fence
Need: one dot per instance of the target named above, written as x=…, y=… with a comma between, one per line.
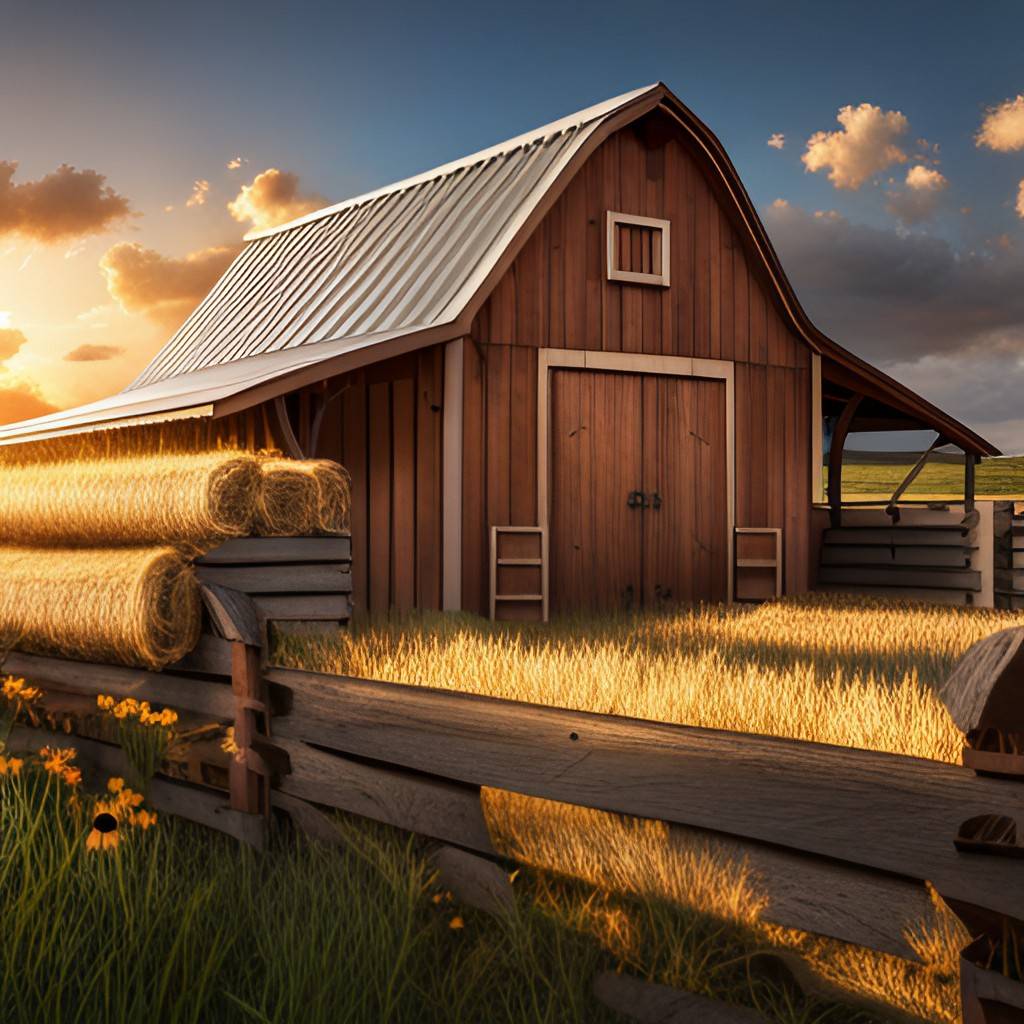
x=847, y=841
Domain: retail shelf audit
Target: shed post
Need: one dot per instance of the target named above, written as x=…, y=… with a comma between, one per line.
x=835, y=459
x=970, y=460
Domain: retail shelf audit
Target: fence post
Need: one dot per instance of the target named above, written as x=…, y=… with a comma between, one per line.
x=249, y=787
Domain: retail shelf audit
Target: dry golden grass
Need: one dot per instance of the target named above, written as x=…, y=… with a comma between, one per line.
x=833, y=669
x=131, y=606
x=172, y=498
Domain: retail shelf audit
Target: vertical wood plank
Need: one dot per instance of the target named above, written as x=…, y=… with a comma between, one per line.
x=379, y=519
x=429, y=403
x=354, y=457
x=523, y=437
x=403, y=495
x=474, y=525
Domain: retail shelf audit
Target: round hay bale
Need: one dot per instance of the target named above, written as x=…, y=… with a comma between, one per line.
x=335, y=495
x=129, y=606
x=288, y=504
x=193, y=499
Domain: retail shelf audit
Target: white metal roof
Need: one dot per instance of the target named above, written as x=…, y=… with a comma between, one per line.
x=408, y=255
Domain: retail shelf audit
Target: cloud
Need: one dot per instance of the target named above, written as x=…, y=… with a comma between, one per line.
x=163, y=288
x=273, y=198
x=947, y=322
x=11, y=341
x=234, y=163
x=199, y=190
x=865, y=145
x=1020, y=199
x=776, y=140
x=63, y=205
x=1002, y=127
x=22, y=401
x=920, y=199
x=93, y=353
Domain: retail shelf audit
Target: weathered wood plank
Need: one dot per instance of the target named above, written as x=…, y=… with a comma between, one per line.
x=876, y=810
x=205, y=698
x=649, y=1003
x=314, y=607
x=232, y=614
x=902, y=576
x=211, y=656
x=270, y=550
x=280, y=579
x=433, y=807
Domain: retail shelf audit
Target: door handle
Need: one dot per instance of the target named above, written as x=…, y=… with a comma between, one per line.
x=636, y=499
x=655, y=500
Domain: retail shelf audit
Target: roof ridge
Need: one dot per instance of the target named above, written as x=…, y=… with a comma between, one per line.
x=545, y=131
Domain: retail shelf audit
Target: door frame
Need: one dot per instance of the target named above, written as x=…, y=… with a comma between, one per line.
x=628, y=362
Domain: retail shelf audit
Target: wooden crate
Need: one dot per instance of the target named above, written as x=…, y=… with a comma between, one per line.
x=519, y=574
x=757, y=555
x=290, y=579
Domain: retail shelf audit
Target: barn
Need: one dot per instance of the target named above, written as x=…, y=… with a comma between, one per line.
x=566, y=372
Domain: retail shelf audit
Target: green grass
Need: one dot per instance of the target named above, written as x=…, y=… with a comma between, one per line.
x=993, y=478
x=179, y=924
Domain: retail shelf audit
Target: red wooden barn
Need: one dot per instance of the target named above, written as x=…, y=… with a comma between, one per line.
x=583, y=334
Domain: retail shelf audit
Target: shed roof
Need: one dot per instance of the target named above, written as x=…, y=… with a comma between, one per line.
x=408, y=265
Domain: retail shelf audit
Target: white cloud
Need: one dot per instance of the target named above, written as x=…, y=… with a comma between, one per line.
x=1020, y=199
x=1002, y=127
x=5, y=318
x=920, y=199
x=234, y=163
x=776, y=140
x=865, y=144
x=273, y=198
x=199, y=190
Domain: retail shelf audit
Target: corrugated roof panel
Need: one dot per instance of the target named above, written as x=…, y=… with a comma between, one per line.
x=398, y=258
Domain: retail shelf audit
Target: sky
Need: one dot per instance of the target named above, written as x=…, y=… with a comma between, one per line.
x=883, y=145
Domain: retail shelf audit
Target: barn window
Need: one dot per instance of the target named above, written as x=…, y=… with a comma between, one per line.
x=638, y=249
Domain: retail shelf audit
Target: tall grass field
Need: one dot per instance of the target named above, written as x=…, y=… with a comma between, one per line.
x=165, y=921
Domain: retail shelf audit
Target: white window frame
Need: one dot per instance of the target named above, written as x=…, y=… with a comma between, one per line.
x=663, y=279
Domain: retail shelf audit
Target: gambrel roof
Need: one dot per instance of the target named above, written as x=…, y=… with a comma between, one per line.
x=409, y=265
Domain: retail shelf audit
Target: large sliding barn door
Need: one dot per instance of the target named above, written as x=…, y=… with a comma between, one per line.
x=638, y=490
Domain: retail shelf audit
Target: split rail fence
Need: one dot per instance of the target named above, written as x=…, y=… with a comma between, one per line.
x=846, y=841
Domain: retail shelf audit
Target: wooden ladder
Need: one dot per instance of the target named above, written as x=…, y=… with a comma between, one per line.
x=519, y=574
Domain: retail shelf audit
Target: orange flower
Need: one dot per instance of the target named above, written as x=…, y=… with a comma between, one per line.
x=10, y=765
x=56, y=759
x=456, y=924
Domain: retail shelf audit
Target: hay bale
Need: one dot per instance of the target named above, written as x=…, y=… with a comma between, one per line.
x=299, y=497
x=196, y=500
x=335, y=495
x=129, y=606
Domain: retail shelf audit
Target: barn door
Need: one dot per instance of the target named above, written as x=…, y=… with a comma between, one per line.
x=638, y=489
x=685, y=523
x=596, y=540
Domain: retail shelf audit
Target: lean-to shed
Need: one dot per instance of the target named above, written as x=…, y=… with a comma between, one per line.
x=582, y=333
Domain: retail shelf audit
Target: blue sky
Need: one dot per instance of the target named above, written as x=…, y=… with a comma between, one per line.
x=156, y=97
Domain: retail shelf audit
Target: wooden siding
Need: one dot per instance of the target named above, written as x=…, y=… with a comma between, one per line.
x=556, y=295
x=385, y=428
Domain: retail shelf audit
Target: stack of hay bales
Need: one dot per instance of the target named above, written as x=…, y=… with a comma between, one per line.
x=95, y=556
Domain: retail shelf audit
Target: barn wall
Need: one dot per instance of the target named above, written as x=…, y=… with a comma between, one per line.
x=555, y=294
x=385, y=428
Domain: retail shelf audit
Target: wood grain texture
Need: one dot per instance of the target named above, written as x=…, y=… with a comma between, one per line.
x=650, y=1003
x=161, y=688
x=430, y=806
x=875, y=810
x=280, y=579
x=279, y=550
x=232, y=614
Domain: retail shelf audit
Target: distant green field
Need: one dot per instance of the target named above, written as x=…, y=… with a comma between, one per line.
x=994, y=478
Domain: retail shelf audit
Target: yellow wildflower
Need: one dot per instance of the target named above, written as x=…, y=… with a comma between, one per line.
x=115, y=784
x=10, y=765
x=104, y=834
x=56, y=759
x=72, y=776
x=104, y=703
x=228, y=744
x=143, y=819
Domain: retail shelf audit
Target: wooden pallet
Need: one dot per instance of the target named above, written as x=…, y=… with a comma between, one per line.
x=290, y=579
x=519, y=573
